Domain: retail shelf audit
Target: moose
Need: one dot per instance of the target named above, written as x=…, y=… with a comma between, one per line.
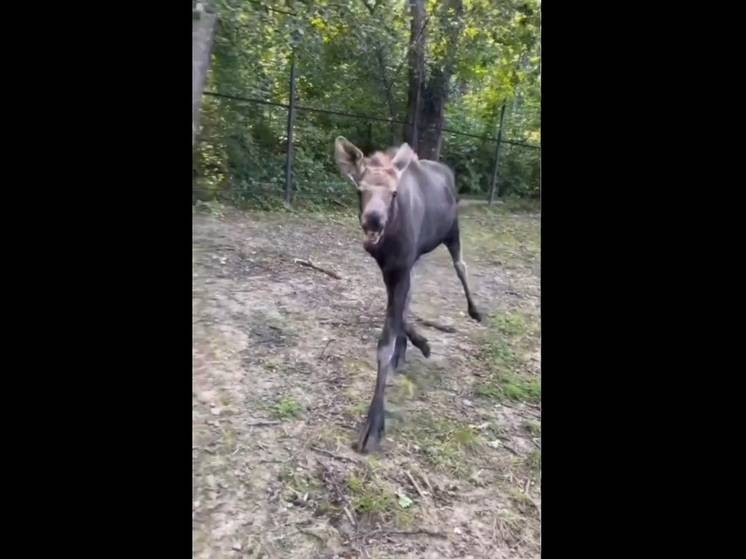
x=408, y=207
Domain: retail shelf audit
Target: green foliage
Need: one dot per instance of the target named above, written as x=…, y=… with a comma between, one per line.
x=352, y=57
x=287, y=408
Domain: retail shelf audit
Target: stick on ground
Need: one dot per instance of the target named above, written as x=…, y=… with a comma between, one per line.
x=313, y=266
x=437, y=326
x=332, y=455
x=407, y=533
x=414, y=483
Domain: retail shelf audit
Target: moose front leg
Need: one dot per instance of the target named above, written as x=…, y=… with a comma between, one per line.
x=397, y=285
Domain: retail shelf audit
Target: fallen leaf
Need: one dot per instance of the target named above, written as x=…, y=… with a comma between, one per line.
x=404, y=501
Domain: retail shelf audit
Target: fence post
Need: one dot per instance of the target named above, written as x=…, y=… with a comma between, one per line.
x=497, y=155
x=291, y=115
x=204, y=24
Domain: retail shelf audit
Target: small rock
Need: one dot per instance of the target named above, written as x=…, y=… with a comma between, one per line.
x=494, y=444
x=468, y=403
x=457, y=530
x=237, y=547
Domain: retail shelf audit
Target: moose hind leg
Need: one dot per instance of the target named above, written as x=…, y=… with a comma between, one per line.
x=400, y=350
x=454, y=248
x=417, y=340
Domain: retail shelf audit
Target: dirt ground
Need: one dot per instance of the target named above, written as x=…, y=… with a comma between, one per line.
x=284, y=364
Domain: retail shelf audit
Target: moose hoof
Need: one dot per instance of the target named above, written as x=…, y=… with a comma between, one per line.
x=370, y=436
x=474, y=313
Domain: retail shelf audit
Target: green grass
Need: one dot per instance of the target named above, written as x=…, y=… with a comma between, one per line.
x=443, y=442
x=369, y=497
x=533, y=462
x=287, y=408
x=502, y=238
x=375, y=502
x=507, y=378
x=520, y=388
x=298, y=485
x=509, y=324
x=510, y=386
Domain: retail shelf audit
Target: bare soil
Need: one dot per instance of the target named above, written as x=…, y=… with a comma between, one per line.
x=284, y=364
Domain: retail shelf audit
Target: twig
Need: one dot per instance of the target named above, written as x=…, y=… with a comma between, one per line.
x=414, y=483
x=441, y=327
x=247, y=278
x=427, y=482
x=326, y=346
x=262, y=423
x=440, y=535
x=350, y=516
x=310, y=264
x=203, y=449
x=511, y=449
x=309, y=533
x=332, y=455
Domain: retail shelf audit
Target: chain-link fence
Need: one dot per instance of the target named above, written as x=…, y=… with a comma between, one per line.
x=256, y=150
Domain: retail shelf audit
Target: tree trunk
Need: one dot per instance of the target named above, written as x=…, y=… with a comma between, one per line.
x=416, y=59
x=387, y=84
x=427, y=98
x=435, y=95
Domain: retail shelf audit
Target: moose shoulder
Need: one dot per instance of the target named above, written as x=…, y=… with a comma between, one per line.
x=408, y=207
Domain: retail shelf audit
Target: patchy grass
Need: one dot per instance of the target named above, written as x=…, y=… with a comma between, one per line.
x=495, y=237
x=509, y=324
x=510, y=386
x=212, y=207
x=376, y=502
x=298, y=484
x=520, y=388
x=507, y=378
x=533, y=427
x=515, y=204
x=523, y=502
x=443, y=442
x=453, y=445
x=287, y=408
x=533, y=462
x=404, y=389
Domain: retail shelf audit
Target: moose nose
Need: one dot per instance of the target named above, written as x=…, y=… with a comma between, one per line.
x=372, y=221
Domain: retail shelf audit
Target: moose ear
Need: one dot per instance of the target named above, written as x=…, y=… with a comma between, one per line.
x=404, y=156
x=349, y=159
